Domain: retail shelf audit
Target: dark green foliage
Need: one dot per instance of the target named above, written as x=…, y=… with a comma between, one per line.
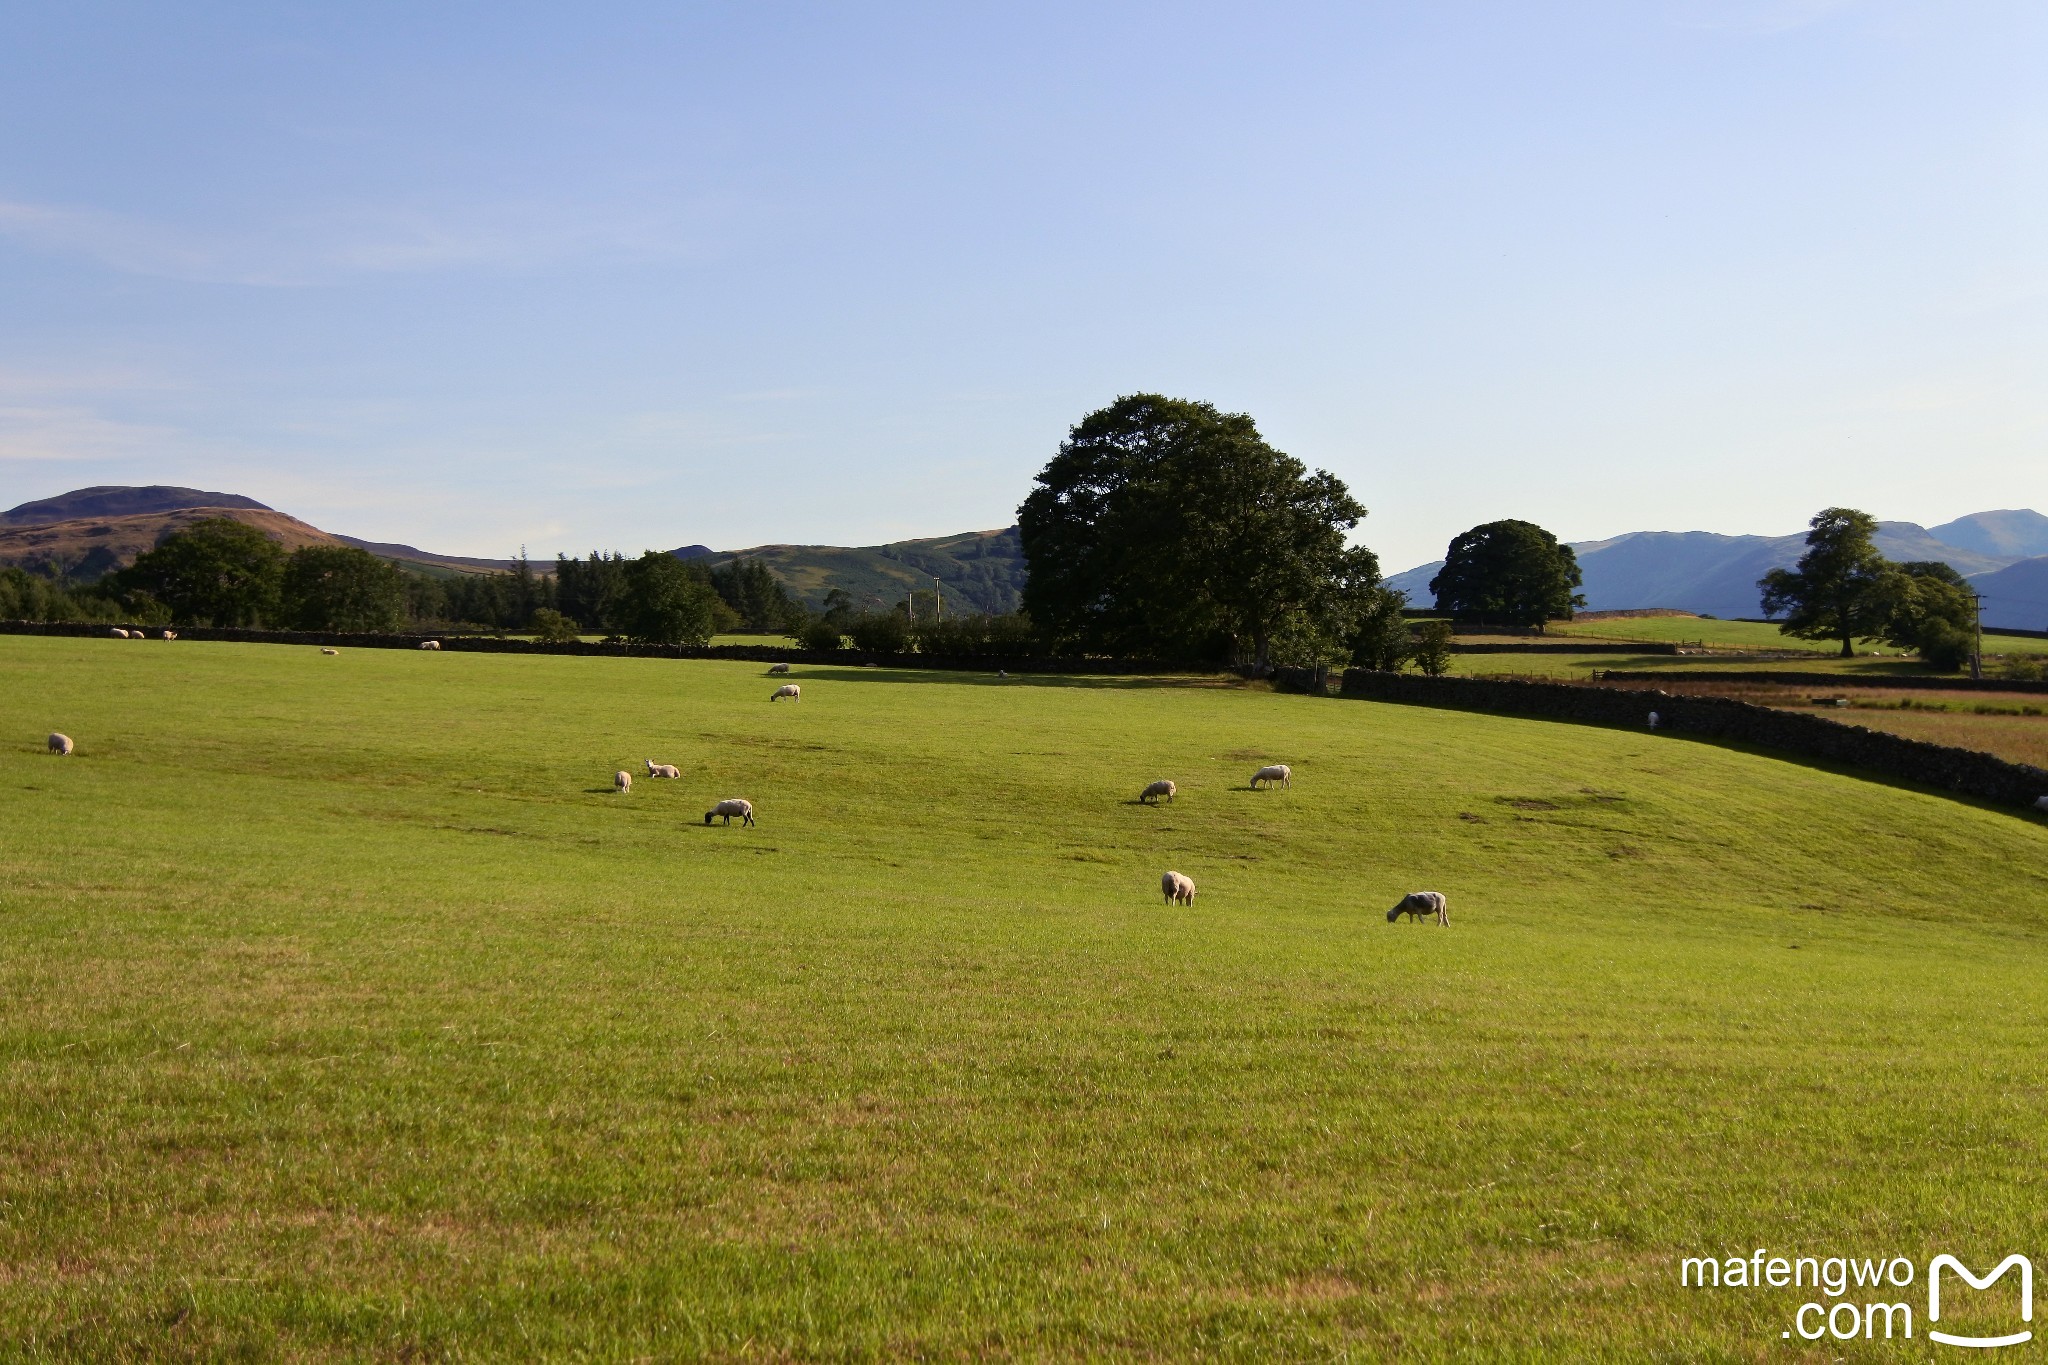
x=339, y=587
x=666, y=603
x=1511, y=573
x=29, y=597
x=1007, y=637
x=590, y=591
x=551, y=627
x=821, y=634
x=1932, y=611
x=1383, y=640
x=839, y=607
x=757, y=598
x=1432, y=650
x=880, y=632
x=1838, y=591
x=214, y=572
x=1165, y=527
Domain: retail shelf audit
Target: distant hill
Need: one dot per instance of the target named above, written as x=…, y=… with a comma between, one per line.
x=2016, y=596
x=86, y=548
x=390, y=550
x=111, y=501
x=2019, y=533
x=978, y=571
x=1715, y=575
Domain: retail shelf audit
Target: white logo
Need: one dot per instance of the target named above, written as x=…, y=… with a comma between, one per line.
x=1934, y=1298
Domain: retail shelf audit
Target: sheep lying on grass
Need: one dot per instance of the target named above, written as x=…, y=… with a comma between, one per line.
x=622, y=780
x=1178, y=888
x=1422, y=905
x=327, y=649
x=1155, y=790
x=730, y=807
x=118, y=633
x=60, y=745
x=1277, y=772
x=790, y=690
x=662, y=769
x=430, y=644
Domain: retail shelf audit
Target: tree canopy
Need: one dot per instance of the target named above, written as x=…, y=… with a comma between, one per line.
x=1511, y=572
x=214, y=572
x=339, y=587
x=1166, y=527
x=1839, y=590
x=665, y=603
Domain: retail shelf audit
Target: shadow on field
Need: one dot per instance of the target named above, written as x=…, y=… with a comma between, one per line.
x=1210, y=681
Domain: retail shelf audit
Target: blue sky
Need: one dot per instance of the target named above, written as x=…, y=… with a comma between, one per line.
x=627, y=275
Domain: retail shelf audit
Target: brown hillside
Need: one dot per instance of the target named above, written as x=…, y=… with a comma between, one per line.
x=89, y=547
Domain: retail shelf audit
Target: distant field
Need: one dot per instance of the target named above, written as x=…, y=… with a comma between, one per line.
x=351, y=1016
x=1582, y=665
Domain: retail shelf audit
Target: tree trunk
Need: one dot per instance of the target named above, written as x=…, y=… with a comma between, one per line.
x=1848, y=649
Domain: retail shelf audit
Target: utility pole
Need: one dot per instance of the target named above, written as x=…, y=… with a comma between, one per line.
x=939, y=598
x=1977, y=654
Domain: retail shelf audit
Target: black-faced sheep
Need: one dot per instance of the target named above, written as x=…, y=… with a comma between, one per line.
x=60, y=745
x=730, y=807
x=1422, y=905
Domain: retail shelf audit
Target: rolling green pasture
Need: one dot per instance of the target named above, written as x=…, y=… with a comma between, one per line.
x=1679, y=629
x=349, y=1015
x=1564, y=664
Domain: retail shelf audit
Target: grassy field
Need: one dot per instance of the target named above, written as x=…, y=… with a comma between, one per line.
x=351, y=1016
x=1564, y=665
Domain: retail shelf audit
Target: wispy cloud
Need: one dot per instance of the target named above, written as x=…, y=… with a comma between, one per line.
x=319, y=248
x=1753, y=16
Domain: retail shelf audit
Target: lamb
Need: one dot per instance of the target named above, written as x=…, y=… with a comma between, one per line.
x=790, y=690
x=662, y=769
x=778, y=668
x=1153, y=791
x=1422, y=905
x=1178, y=888
x=325, y=650
x=431, y=644
x=622, y=780
x=1276, y=772
x=730, y=807
x=119, y=634
x=60, y=745
x=170, y=635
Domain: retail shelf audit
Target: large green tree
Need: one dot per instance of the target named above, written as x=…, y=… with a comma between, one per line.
x=664, y=603
x=1509, y=572
x=1932, y=611
x=339, y=587
x=214, y=572
x=1164, y=526
x=1841, y=589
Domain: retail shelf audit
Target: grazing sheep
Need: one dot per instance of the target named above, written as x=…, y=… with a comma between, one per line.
x=60, y=745
x=2041, y=804
x=1422, y=905
x=730, y=807
x=431, y=644
x=778, y=668
x=1178, y=888
x=622, y=780
x=326, y=650
x=1153, y=791
x=170, y=635
x=662, y=769
x=119, y=634
x=1002, y=673
x=1654, y=718
x=790, y=690
x=1277, y=772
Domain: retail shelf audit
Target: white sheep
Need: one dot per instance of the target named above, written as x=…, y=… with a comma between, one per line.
x=60, y=745
x=324, y=649
x=1154, y=790
x=730, y=807
x=2041, y=804
x=662, y=769
x=622, y=780
x=170, y=635
x=1655, y=719
x=790, y=690
x=431, y=644
x=1422, y=905
x=778, y=668
x=1275, y=772
x=119, y=634
x=1178, y=888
